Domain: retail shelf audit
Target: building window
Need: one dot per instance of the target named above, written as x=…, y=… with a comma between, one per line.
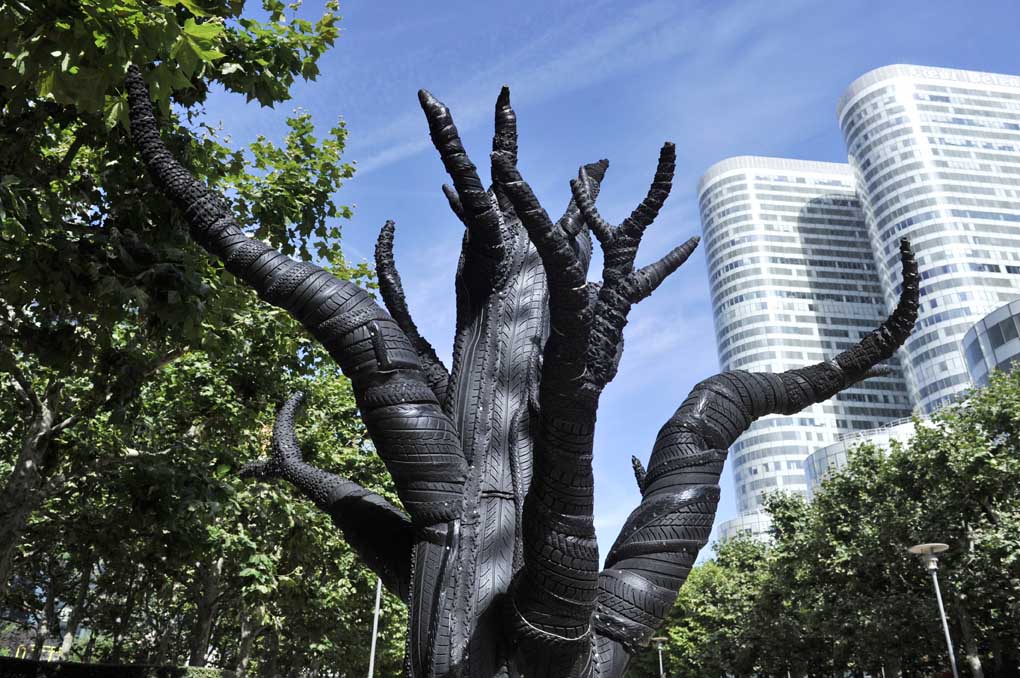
x=995, y=336
x=1008, y=329
x=974, y=354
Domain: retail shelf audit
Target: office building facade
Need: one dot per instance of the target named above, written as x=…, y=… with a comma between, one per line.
x=936, y=156
x=793, y=282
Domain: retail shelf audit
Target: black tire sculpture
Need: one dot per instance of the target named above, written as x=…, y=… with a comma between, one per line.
x=495, y=549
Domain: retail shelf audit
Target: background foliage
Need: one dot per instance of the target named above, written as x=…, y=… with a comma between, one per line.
x=136, y=376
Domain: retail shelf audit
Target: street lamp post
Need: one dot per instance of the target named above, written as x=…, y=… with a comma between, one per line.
x=659, y=640
x=375, y=626
x=928, y=553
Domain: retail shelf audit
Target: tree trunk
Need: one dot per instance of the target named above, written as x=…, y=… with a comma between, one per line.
x=163, y=646
x=1007, y=662
x=48, y=615
x=124, y=619
x=77, y=612
x=1007, y=659
x=208, y=603
x=23, y=491
x=268, y=666
x=248, y=634
x=165, y=631
x=972, y=657
x=89, y=648
x=40, y=639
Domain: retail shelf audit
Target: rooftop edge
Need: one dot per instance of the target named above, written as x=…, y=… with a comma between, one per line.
x=764, y=162
x=918, y=72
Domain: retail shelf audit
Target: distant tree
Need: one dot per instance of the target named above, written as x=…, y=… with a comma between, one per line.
x=841, y=576
x=956, y=481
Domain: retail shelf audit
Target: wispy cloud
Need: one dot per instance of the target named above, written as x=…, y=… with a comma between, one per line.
x=570, y=57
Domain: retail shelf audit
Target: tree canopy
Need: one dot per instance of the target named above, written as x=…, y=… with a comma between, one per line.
x=137, y=376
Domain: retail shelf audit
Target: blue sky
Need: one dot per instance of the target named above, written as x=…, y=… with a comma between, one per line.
x=605, y=79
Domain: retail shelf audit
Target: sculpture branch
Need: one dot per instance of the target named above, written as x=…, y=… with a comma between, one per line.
x=416, y=440
x=661, y=539
x=455, y=206
x=486, y=267
x=396, y=303
x=573, y=223
x=385, y=548
x=504, y=140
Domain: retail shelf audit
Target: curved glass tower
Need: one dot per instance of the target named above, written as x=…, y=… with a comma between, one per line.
x=993, y=343
x=936, y=154
x=793, y=282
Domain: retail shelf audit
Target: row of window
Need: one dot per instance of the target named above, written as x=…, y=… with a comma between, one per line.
x=998, y=335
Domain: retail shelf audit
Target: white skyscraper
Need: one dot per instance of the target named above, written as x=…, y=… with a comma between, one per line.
x=793, y=282
x=936, y=154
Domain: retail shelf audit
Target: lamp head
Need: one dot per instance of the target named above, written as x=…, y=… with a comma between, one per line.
x=928, y=553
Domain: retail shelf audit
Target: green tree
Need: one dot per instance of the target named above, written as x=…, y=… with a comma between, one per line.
x=955, y=482
x=842, y=578
x=959, y=482
x=100, y=287
x=136, y=376
x=185, y=560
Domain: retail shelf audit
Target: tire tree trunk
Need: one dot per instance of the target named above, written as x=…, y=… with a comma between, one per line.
x=494, y=550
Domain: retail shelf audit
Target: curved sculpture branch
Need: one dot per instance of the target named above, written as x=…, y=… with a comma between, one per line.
x=385, y=548
x=416, y=440
x=661, y=539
